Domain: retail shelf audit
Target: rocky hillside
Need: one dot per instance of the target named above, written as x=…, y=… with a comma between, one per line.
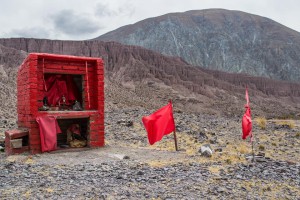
x=139, y=77
x=219, y=39
x=10, y=59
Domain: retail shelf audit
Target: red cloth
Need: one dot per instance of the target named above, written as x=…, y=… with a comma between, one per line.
x=48, y=130
x=247, y=121
x=61, y=85
x=160, y=123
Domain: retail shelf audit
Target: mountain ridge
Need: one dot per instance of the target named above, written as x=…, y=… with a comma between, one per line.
x=140, y=77
x=219, y=39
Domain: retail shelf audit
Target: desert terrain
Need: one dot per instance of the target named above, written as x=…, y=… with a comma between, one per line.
x=129, y=168
x=208, y=106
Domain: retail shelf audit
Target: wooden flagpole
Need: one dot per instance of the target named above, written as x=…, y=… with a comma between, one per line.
x=252, y=147
x=175, y=138
x=252, y=153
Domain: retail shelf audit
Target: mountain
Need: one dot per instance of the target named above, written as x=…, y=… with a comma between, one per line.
x=218, y=39
x=135, y=76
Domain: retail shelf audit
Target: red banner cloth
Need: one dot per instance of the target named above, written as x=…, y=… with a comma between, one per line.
x=59, y=85
x=48, y=130
x=247, y=121
x=160, y=123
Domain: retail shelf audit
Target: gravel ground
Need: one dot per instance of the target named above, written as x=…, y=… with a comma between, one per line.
x=128, y=168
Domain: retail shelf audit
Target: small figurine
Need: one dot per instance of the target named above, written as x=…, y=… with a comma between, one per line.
x=45, y=106
x=62, y=105
x=77, y=106
x=45, y=101
x=63, y=100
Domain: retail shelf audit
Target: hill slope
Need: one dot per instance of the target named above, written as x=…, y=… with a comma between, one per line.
x=219, y=39
x=9, y=60
x=139, y=77
x=138, y=81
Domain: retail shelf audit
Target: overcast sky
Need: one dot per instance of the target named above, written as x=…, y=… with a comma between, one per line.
x=87, y=19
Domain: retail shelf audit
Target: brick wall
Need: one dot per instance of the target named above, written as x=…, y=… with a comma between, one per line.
x=30, y=94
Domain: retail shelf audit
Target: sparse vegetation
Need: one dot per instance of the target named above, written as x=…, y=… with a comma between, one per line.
x=243, y=148
x=287, y=123
x=261, y=122
x=185, y=141
x=164, y=167
x=289, y=116
x=159, y=163
x=214, y=169
x=232, y=154
x=228, y=161
x=261, y=147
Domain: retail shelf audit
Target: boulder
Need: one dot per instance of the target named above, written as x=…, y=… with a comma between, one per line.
x=206, y=150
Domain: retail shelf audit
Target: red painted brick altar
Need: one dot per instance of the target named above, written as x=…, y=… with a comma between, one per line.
x=88, y=74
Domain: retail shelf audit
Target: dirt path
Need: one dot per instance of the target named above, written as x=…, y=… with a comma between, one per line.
x=99, y=155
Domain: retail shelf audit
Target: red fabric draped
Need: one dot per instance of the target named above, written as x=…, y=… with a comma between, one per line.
x=48, y=129
x=61, y=85
x=247, y=121
x=159, y=123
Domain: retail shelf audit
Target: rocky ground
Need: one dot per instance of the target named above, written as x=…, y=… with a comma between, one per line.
x=128, y=168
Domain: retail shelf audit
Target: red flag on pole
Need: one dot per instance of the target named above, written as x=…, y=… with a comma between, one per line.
x=159, y=123
x=247, y=121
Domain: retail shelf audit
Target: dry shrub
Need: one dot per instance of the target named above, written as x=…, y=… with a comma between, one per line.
x=166, y=144
x=243, y=148
x=215, y=169
x=288, y=123
x=27, y=194
x=262, y=122
x=29, y=161
x=232, y=153
x=184, y=141
x=261, y=147
x=228, y=161
x=49, y=190
x=159, y=163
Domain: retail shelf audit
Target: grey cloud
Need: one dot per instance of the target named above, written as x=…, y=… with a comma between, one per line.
x=31, y=32
x=127, y=9
x=71, y=23
x=102, y=10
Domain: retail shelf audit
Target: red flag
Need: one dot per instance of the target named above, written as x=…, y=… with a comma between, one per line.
x=160, y=123
x=247, y=121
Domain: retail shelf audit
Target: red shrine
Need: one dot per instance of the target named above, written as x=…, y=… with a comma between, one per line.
x=66, y=89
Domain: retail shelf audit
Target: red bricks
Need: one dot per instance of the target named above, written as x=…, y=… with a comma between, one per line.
x=15, y=134
x=31, y=89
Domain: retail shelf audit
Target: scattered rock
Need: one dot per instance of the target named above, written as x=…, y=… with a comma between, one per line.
x=127, y=123
x=113, y=176
x=206, y=150
x=213, y=140
x=140, y=173
x=202, y=137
